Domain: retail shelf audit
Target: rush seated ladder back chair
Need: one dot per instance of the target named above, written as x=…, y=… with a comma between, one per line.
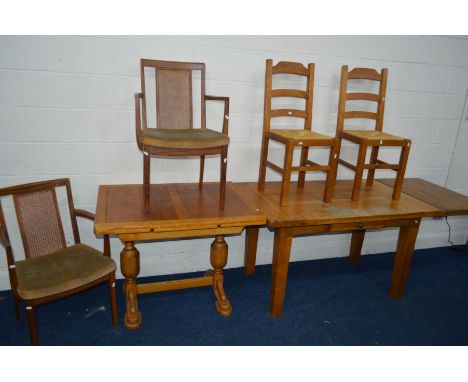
x=51, y=270
x=293, y=138
x=375, y=138
x=172, y=132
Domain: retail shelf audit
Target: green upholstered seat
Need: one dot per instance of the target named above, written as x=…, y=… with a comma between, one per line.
x=183, y=138
x=60, y=271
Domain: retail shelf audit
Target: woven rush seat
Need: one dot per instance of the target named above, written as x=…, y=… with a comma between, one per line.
x=183, y=138
x=61, y=271
x=372, y=135
x=298, y=134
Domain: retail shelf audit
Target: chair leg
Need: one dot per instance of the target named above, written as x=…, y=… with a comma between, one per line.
x=106, y=251
x=331, y=175
x=202, y=170
x=16, y=302
x=359, y=171
x=146, y=180
x=401, y=171
x=113, y=298
x=304, y=156
x=373, y=160
x=31, y=313
x=222, y=183
x=285, y=182
x=263, y=160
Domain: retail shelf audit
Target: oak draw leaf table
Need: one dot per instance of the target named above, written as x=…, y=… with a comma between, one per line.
x=176, y=211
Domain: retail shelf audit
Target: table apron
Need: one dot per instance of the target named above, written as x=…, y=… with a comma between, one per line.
x=352, y=226
x=141, y=236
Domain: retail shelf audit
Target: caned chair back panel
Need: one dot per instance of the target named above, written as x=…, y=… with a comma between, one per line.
x=293, y=68
x=174, y=103
x=39, y=217
x=39, y=222
x=345, y=96
x=174, y=99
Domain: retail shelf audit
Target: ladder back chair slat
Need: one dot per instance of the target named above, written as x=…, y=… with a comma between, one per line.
x=362, y=97
x=288, y=113
x=364, y=74
x=289, y=93
x=287, y=67
x=361, y=115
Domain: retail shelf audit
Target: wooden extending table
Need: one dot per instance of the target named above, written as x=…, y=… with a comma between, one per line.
x=185, y=210
x=177, y=211
x=307, y=214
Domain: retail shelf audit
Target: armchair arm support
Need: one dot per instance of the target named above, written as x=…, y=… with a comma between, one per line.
x=226, y=110
x=10, y=259
x=138, y=98
x=4, y=239
x=84, y=214
x=91, y=216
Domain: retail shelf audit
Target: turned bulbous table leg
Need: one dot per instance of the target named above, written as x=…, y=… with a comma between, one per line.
x=130, y=265
x=218, y=258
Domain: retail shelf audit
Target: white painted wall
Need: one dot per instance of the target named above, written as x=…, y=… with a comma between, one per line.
x=66, y=109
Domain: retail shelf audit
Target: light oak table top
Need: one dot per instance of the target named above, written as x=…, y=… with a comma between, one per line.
x=306, y=207
x=174, y=207
x=450, y=203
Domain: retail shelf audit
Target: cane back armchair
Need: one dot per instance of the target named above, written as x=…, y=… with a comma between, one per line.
x=369, y=138
x=303, y=138
x=172, y=133
x=51, y=270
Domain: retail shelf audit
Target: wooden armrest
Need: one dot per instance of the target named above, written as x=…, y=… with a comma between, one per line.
x=216, y=98
x=226, y=110
x=3, y=239
x=84, y=214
